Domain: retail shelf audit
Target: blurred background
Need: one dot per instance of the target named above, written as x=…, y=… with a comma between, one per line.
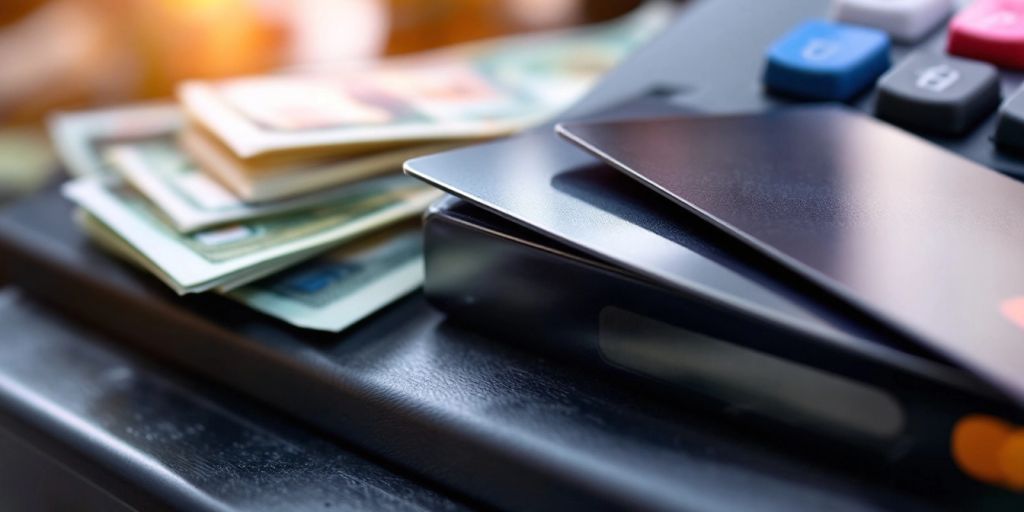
x=77, y=54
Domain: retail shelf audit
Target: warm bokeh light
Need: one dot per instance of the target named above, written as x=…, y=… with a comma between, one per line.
x=74, y=54
x=990, y=450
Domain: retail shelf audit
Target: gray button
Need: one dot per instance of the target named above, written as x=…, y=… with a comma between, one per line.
x=939, y=93
x=1010, y=130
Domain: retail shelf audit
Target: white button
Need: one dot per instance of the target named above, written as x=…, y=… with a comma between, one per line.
x=904, y=20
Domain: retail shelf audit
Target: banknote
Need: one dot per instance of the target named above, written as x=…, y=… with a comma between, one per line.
x=460, y=93
x=334, y=291
x=202, y=260
x=329, y=292
x=27, y=160
x=81, y=137
x=109, y=240
x=276, y=181
x=192, y=200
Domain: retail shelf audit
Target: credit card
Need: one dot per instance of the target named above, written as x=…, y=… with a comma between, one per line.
x=921, y=238
x=550, y=187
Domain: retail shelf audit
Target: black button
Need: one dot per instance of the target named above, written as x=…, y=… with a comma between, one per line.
x=938, y=93
x=1010, y=130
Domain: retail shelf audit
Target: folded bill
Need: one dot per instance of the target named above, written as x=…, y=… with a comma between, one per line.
x=357, y=113
x=81, y=137
x=106, y=238
x=192, y=200
x=468, y=92
x=336, y=290
x=207, y=259
x=330, y=292
x=274, y=181
x=27, y=160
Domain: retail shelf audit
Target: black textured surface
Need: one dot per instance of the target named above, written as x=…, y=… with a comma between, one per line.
x=153, y=440
x=32, y=480
x=503, y=426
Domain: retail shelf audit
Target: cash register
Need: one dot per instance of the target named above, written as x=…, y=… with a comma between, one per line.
x=585, y=342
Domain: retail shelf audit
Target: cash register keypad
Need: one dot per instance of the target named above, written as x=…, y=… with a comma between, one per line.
x=827, y=61
x=932, y=91
x=990, y=30
x=1010, y=129
x=905, y=20
x=939, y=93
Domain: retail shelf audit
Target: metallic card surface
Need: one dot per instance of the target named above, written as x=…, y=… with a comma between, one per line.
x=549, y=186
x=922, y=238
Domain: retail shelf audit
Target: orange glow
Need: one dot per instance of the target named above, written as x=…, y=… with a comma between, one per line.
x=71, y=54
x=990, y=450
x=977, y=440
x=196, y=5
x=1011, y=460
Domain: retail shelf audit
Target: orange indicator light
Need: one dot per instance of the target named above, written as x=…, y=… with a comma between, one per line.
x=990, y=450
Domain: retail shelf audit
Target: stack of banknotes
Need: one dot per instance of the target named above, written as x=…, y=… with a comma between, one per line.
x=284, y=192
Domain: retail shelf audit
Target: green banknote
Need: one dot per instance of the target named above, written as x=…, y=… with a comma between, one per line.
x=110, y=241
x=336, y=290
x=26, y=160
x=204, y=260
x=81, y=137
x=329, y=292
x=191, y=200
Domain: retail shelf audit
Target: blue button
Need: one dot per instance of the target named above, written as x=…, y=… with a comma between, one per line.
x=826, y=61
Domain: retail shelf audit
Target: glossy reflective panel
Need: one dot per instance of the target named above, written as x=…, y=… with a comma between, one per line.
x=549, y=186
x=924, y=239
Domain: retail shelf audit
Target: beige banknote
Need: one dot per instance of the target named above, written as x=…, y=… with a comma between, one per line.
x=277, y=181
x=460, y=93
x=192, y=200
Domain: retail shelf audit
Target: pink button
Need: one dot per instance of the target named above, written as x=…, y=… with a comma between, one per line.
x=1013, y=310
x=990, y=30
